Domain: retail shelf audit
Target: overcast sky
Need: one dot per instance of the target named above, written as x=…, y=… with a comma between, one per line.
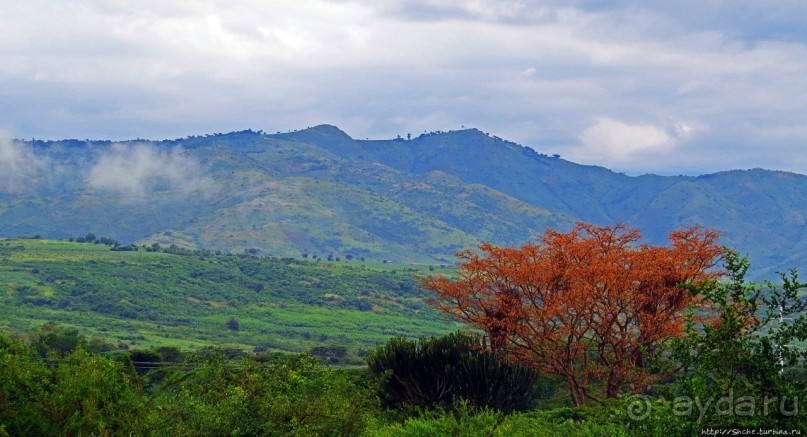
x=685, y=86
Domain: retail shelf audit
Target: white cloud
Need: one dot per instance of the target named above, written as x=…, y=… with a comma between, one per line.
x=528, y=72
x=612, y=142
x=19, y=166
x=135, y=171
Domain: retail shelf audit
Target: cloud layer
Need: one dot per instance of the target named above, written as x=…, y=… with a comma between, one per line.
x=549, y=74
x=19, y=166
x=134, y=171
x=619, y=143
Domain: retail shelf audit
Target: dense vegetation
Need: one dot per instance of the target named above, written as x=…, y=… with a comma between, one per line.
x=56, y=382
x=740, y=355
x=170, y=393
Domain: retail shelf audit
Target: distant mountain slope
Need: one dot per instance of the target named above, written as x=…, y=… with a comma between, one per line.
x=321, y=192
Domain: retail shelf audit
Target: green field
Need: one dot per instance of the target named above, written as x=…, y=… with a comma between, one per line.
x=182, y=298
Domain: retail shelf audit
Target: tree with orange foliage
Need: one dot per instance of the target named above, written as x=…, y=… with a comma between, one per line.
x=591, y=305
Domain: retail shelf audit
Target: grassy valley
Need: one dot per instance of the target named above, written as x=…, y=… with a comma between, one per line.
x=184, y=298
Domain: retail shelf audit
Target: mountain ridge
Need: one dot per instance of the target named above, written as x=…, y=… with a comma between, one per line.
x=318, y=190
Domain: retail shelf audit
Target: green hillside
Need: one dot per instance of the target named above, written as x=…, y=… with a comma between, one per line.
x=320, y=192
x=150, y=298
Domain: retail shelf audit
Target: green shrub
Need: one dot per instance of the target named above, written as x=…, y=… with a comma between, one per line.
x=23, y=379
x=56, y=340
x=745, y=366
x=438, y=372
x=293, y=395
x=93, y=395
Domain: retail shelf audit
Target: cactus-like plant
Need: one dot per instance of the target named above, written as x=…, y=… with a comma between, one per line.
x=439, y=372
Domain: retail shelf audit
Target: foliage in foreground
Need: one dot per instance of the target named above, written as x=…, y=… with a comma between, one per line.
x=89, y=394
x=167, y=392
x=613, y=317
x=749, y=361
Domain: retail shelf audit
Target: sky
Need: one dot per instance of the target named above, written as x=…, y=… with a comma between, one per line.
x=683, y=87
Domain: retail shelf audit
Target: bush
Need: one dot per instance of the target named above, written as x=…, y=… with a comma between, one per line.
x=22, y=391
x=439, y=372
x=92, y=395
x=744, y=355
x=54, y=339
x=285, y=396
x=81, y=394
x=329, y=354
